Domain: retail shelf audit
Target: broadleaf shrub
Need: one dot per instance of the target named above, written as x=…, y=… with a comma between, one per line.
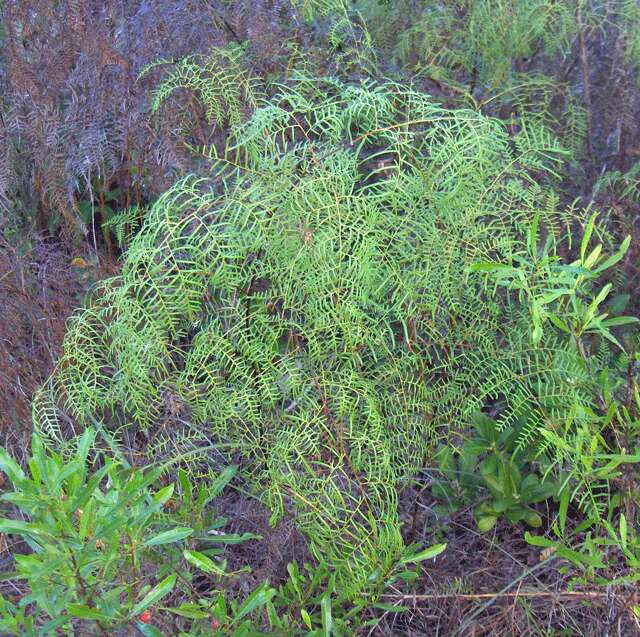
x=102, y=548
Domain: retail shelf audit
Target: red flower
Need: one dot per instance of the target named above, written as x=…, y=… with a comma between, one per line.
x=215, y=624
x=145, y=618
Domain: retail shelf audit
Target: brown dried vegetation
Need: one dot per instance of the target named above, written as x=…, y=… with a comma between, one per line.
x=38, y=290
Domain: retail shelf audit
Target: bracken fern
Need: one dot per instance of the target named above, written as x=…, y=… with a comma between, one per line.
x=311, y=304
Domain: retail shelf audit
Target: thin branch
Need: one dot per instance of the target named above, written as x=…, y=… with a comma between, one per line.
x=497, y=595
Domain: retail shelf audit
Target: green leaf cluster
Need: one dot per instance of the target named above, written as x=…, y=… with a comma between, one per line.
x=492, y=473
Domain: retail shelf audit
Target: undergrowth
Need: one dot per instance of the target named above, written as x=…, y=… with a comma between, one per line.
x=361, y=243
x=319, y=307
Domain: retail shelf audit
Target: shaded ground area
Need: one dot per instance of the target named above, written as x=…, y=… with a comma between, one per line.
x=497, y=585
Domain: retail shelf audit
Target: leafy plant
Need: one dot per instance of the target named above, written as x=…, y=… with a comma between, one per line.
x=312, y=305
x=219, y=81
x=106, y=554
x=345, y=273
x=310, y=604
x=104, y=549
x=562, y=294
x=491, y=461
x=623, y=185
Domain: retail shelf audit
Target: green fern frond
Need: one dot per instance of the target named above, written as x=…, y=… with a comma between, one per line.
x=219, y=80
x=312, y=307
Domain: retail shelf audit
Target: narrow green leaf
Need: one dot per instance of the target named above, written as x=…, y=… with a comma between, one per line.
x=257, y=599
x=553, y=295
x=610, y=337
x=538, y=540
x=84, y=494
x=275, y=621
x=593, y=257
x=623, y=531
x=559, y=323
x=223, y=479
x=185, y=484
x=190, y=611
x=166, y=537
x=305, y=618
x=562, y=511
x=164, y=495
x=618, y=321
x=231, y=538
x=489, y=266
x=38, y=461
x=602, y=295
x=533, y=236
x=204, y=563
x=406, y=576
x=294, y=576
x=155, y=594
x=587, y=235
x=18, y=527
x=427, y=554
x=614, y=258
x=84, y=445
x=85, y=612
x=75, y=467
x=327, y=619
x=11, y=468
x=149, y=630
x=391, y=608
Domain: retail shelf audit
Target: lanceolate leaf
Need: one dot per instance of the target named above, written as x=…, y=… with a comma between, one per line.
x=166, y=537
x=203, y=562
x=155, y=595
x=426, y=554
x=85, y=612
x=255, y=601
